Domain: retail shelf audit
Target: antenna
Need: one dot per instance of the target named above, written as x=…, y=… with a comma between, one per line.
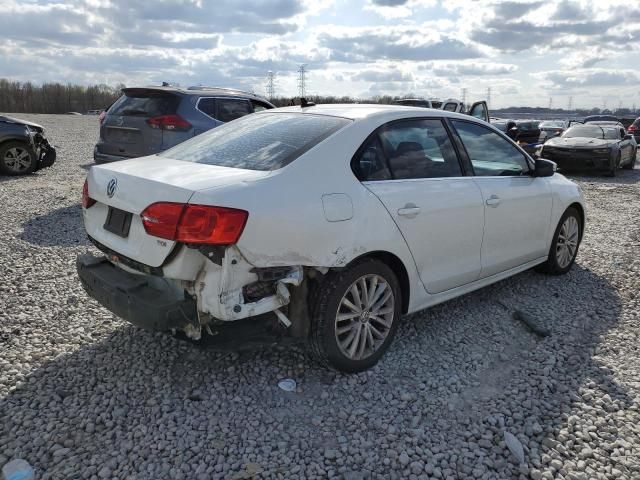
x=271, y=89
x=302, y=79
x=489, y=97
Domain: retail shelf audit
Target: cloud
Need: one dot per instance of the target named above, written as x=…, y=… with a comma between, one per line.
x=469, y=68
x=363, y=45
x=571, y=79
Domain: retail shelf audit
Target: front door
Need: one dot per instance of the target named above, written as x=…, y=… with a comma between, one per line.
x=517, y=205
x=413, y=169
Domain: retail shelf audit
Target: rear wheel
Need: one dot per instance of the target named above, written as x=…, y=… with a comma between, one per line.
x=355, y=316
x=17, y=158
x=565, y=244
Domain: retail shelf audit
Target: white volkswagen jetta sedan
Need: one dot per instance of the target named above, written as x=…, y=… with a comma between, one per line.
x=333, y=219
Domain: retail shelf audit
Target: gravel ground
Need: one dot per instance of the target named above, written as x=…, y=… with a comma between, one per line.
x=85, y=395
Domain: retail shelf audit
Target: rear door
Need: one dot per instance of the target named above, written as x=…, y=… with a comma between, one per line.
x=517, y=205
x=126, y=130
x=413, y=168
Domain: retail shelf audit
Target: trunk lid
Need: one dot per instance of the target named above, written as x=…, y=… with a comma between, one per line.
x=133, y=185
x=125, y=130
x=579, y=142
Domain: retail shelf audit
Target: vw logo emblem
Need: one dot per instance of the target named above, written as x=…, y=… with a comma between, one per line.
x=111, y=187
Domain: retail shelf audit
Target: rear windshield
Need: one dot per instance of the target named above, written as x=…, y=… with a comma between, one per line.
x=145, y=105
x=266, y=141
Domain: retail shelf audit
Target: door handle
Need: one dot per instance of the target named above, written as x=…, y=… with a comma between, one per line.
x=493, y=201
x=409, y=210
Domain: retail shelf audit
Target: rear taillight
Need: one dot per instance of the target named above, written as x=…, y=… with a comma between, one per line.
x=87, y=201
x=194, y=223
x=169, y=122
x=632, y=128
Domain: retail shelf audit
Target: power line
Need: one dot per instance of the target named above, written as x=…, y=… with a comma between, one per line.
x=271, y=89
x=302, y=79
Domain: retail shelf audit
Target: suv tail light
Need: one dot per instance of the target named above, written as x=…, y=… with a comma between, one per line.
x=169, y=122
x=194, y=223
x=632, y=128
x=87, y=201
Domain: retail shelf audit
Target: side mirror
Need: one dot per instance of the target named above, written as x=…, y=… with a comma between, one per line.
x=544, y=168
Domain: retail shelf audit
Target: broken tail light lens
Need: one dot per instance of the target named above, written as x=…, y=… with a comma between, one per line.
x=87, y=201
x=203, y=224
x=169, y=122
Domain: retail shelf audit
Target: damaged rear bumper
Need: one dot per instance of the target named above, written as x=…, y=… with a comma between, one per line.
x=145, y=301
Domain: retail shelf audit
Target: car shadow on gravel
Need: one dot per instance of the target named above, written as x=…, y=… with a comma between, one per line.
x=62, y=227
x=118, y=398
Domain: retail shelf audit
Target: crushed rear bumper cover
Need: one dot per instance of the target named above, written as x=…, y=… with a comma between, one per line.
x=133, y=297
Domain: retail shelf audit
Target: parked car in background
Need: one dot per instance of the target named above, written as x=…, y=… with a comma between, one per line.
x=148, y=120
x=592, y=147
x=634, y=129
x=333, y=219
x=23, y=147
x=478, y=109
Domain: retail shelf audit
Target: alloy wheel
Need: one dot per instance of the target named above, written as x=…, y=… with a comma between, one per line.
x=17, y=159
x=365, y=317
x=567, y=243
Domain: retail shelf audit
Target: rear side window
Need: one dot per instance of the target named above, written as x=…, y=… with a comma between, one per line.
x=145, y=105
x=450, y=107
x=408, y=150
x=267, y=141
x=231, y=108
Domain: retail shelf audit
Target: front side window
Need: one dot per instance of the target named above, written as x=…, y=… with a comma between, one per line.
x=490, y=153
x=265, y=141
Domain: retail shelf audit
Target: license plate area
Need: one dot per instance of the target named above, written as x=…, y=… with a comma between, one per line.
x=118, y=222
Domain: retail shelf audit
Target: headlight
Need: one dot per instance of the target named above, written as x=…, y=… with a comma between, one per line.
x=601, y=151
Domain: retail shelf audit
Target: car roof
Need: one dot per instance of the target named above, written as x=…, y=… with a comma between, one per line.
x=359, y=111
x=605, y=123
x=198, y=91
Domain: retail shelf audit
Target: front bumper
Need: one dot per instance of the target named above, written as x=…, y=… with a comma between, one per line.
x=577, y=160
x=140, y=299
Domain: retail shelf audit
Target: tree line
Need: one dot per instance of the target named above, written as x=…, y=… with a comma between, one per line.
x=26, y=97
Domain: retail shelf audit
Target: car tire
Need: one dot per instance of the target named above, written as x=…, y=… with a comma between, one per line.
x=632, y=162
x=17, y=158
x=559, y=263
x=357, y=340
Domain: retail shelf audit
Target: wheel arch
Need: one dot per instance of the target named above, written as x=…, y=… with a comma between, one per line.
x=398, y=267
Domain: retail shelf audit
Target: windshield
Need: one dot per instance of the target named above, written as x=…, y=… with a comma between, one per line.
x=265, y=141
x=552, y=125
x=589, y=131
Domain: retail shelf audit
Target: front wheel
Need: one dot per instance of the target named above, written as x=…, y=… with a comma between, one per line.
x=564, y=246
x=17, y=158
x=355, y=316
x=632, y=161
x=614, y=168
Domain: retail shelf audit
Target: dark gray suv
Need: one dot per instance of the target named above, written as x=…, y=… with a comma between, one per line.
x=148, y=120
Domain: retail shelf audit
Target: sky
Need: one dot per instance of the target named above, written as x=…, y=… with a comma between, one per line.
x=529, y=53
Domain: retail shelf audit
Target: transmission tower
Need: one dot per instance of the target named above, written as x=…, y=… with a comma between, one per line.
x=570, y=107
x=550, y=103
x=464, y=96
x=271, y=89
x=489, y=97
x=302, y=79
